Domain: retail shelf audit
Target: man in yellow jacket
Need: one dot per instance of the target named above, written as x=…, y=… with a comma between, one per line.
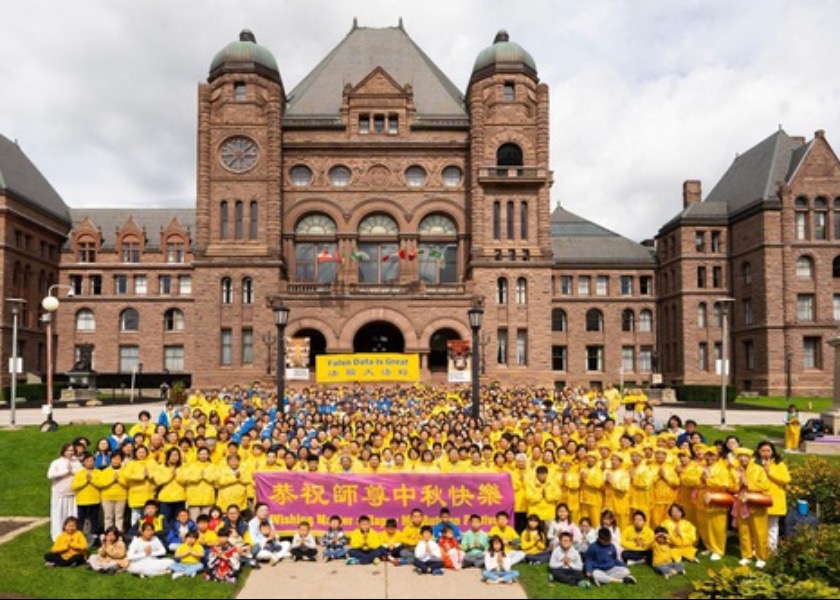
x=751, y=514
x=591, y=489
x=665, y=485
x=232, y=483
x=88, y=496
x=542, y=495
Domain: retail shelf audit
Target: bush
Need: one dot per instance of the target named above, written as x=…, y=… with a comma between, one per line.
x=178, y=394
x=744, y=582
x=704, y=393
x=818, y=481
x=810, y=553
x=34, y=391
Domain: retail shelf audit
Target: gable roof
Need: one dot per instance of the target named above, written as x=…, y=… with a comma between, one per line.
x=20, y=176
x=575, y=240
x=153, y=220
x=319, y=94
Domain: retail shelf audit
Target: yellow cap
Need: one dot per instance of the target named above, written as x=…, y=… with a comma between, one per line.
x=743, y=452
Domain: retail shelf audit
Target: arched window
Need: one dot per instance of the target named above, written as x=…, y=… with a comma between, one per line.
x=628, y=320
x=509, y=155
x=316, y=254
x=438, y=249
x=594, y=320
x=223, y=220
x=227, y=290
x=247, y=290
x=378, y=249
x=129, y=320
x=85, y=320
x=805, y=267
x=646, y=320
x=238, y=220
x=701, y=314
x=501, y=290
x=173, y=320
x=522, y=291
x=558, y=319
x=254, y=226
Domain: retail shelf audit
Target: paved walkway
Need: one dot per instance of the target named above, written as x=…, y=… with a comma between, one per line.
x=336, y=580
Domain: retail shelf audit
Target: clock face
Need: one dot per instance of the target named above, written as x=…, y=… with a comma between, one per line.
x=239, y=153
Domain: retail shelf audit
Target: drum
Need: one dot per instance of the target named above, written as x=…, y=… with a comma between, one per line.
x=722, y=499
x=759, y=499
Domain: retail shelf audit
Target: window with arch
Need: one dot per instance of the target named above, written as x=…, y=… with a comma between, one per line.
x=501, y=290
x=438, y=249
x=129, y=320
x=378, y=249
x=85, y=320
x=223, y=219
x=173, y=320
x=646, y=320
x=316, y=254
x=594, y=320
x=522, y=291
x=800, y=218
x=254, y=222
x=509, y=155
x=558, y=320
x=247, y=290
x=701, y=314
x=628, y=320
x=227, y=290
x=238, y=220
x=805, y=267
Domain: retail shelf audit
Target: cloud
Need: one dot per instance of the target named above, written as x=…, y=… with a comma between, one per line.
x=102, y=95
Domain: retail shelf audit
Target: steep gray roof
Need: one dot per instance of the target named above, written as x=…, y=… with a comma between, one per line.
x=576, y=240
x=19, y=176
x=359, y=53
x=109, y=220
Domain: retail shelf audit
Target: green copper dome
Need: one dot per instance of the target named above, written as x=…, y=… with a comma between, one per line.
x=244, y=56
x=504, y=56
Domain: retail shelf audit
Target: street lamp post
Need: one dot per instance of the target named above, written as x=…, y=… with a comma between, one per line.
x=788, y=380
x=476, y=315
x=724, y=357
x=50, y=304
x=281, y=319
x=16, y=303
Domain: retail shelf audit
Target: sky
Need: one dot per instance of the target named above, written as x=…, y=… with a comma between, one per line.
x=101, y=94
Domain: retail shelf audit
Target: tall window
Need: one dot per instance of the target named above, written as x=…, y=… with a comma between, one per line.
x=835, y=267
x=645, y=359
x=497, y=220
x=837, y=307
x=805, y=308
x=746, y=272
x=254, y=225
x=502, y=341
x=129, y=320
x=76, y=284
x=594, y=320
x=438, y=249
x=96, y=285
x=628, y=359
x=820, y=218
x=86, y=252
x=378, y=250
x=594, y=358
x=141, y=285
x=700, y=241
x=565, y=285
x=238, y=220
x=501, y=290
x=703, y=357
x=316, y=256
x=227, y=290
x=646, y=285
x=837, y=218
x=86, y=321
x=748, y=311
x=509, y=224
x=173, y=320
x=602, y=285
x=130, y=251
x=558, y=319
x=129, y=358
x=646, y=320
x=811, y=358
x=173, y=359
x=805, y=267
x=223, y=219
x=717, y=277
x=701, y=277
x=184, y=285
x=523, y=220
x=522, y=291
x=120, y=285
x=508, y=91
x=165, y=285
x=626, y=285
x=583, y=285
x=174, y=252
x=715, y=241
x=800, y=219
x=749, y=354
x=559, y=358
x=247, y=346
x=628, y=320
x=247, y=290
x=521, y=346
x=226, y=346
x=716, y=315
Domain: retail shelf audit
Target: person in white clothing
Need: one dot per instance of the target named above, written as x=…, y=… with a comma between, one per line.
x=264, y=543
x=62, y=498
x=145, y=552
x=497, y=564
x=427, y=554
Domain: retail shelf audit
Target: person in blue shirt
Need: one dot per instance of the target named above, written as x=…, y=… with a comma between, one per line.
x=602, y=563
x=445, y=519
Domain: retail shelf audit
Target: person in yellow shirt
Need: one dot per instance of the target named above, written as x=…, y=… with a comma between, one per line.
x=793, y=429
x=69, y=548
x=171, y=494
x=508, y=535
x=636, y=540
x=542, y=495
x=666, y=558
x=682, y=533
x=689, y=472
x=88, y=496
x=535, y=541
x=591, y=489
x=665, y=484
x=521, y=476
x=113, y=493
x=569, y=486
x=188, y=557
x=617, y=491
x=778, y=477
x=138, y=478
x=751, y=515
x=232, y=483
x=199, y=479
x=206, y=536
x=145, y=426
x=713, y=516
x=391, y=540
x=613, y=398
x=364, y=544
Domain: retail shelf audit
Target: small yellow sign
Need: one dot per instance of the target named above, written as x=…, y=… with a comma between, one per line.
x=372, y=366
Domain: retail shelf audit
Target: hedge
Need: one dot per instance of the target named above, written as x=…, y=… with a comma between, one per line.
x=34, y=391
x=704, y=393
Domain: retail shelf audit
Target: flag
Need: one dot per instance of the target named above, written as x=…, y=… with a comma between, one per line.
x=356, y=255
x=325, y=256
x=403, y=254
x=436, y=254
x=337, y=257
x=412, y=255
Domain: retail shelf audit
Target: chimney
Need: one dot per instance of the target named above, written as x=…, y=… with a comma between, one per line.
x=692, y=192
x=819, y=133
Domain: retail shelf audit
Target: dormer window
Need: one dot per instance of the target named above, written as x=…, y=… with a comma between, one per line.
x=393, y=124
x=364, y=124
x=379, y=123
x=130, y=250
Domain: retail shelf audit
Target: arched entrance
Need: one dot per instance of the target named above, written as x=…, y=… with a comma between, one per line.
x=379, y=336
x=317, y=343
x=437, y=348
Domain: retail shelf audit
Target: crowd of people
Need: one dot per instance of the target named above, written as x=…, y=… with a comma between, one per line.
x=599, y=485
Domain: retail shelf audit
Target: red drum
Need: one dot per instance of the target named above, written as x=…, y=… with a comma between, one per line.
x=722, y=499
x=759, y=499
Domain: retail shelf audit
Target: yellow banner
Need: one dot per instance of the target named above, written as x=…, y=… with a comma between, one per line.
x=373, y=366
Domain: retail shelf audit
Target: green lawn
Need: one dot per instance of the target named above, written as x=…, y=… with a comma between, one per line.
x=781, y=403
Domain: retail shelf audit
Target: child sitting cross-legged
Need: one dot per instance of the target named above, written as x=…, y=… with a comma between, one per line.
x=667, y=560
x=304, y=546
x=223, y=560
x=566, y=564
x=364, y=544
x=70, y=547
x=334, y=540
x=188, y=557
x=497, y=563
x=427, y=554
